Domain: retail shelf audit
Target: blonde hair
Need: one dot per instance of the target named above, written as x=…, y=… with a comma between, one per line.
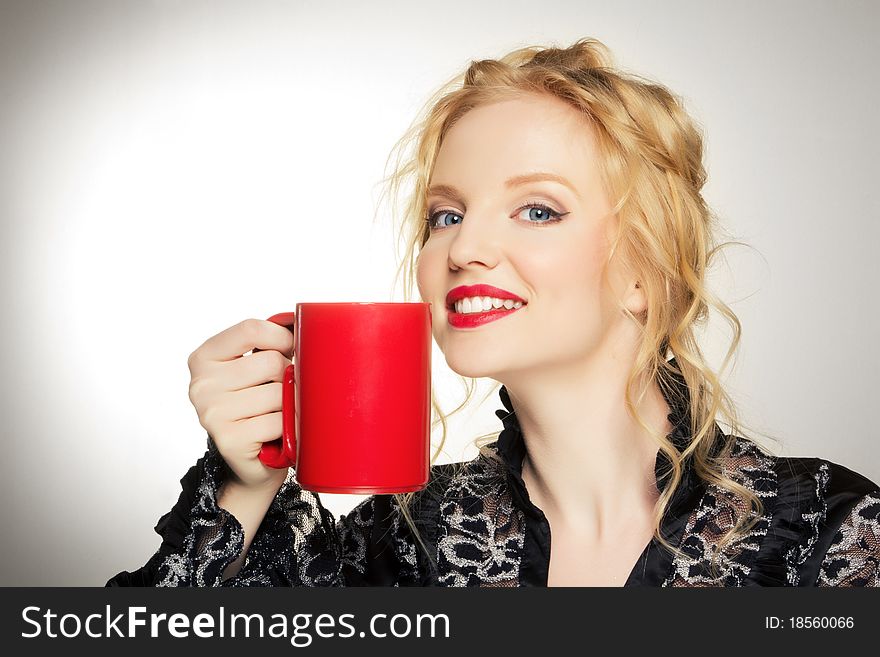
x=651, y=163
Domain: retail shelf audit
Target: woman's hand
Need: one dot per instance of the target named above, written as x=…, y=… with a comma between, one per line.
x=238, y=396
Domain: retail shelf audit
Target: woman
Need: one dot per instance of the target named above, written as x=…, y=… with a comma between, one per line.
x=572, y=191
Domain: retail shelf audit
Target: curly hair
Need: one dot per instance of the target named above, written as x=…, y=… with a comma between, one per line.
x=651, y=164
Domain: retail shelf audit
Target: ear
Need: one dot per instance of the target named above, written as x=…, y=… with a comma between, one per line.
x=636, y=300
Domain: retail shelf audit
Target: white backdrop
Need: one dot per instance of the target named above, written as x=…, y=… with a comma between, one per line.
x=170, y=168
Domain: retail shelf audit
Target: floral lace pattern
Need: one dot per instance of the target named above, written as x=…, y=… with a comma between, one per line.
x=853, y=559
x=819, y=526
x=215, y=539
x=481, y=535
x=717, y=512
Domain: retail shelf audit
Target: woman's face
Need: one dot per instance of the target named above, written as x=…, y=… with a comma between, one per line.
x=484, y=232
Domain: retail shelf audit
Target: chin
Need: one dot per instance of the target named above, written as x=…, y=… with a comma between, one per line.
x=471, y=373
x=472, y=369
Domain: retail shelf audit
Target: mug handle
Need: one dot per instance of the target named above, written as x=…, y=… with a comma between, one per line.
x=281, y=452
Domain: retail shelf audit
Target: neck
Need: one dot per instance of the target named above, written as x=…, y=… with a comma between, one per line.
x=589, y=464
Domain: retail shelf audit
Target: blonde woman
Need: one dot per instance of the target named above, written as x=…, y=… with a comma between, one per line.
x=555, y=223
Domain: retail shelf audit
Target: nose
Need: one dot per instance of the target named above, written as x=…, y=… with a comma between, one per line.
x=475, y=242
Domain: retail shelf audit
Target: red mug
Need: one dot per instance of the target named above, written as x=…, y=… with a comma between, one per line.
x=356, y=402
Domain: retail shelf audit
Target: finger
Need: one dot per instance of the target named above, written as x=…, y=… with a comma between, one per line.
x=252, y=370
x=258, y=430
x=288, y=320
x=252, y=402
x=245, y=336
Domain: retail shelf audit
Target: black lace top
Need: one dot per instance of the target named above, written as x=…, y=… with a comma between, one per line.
x=820, y=527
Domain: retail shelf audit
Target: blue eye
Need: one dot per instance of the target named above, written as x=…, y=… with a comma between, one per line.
x=431, y=218
x=543, y=214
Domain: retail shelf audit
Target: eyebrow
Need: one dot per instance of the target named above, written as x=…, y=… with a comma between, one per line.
x=516, y=181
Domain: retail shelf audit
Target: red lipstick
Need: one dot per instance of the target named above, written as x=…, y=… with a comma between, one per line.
x=472, y=320
x=464, y=291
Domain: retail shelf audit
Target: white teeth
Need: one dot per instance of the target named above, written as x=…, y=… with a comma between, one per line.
x=483, y=304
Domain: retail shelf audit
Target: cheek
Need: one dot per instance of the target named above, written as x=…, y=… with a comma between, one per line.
x=427, y=273
x=429, y=279
x=571, y=272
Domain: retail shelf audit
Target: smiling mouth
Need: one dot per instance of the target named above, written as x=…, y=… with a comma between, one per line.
x=506, y=304
x=477, y=319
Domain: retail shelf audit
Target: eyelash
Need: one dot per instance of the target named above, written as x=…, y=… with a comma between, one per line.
x=557, y=216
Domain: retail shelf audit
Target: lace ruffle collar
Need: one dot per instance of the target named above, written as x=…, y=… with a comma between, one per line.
x=511, y=445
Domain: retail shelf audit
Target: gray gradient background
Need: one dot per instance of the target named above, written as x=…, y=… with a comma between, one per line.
x=162, y=161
